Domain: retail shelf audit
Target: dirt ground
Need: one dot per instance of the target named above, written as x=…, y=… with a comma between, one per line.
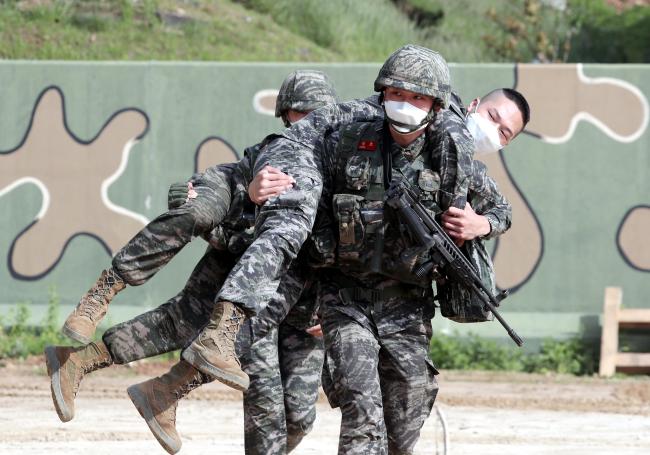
x=485, y=413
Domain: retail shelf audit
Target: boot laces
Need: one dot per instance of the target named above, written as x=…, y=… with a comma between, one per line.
x=95, y=302
x=230, y=328
x=105, y=284
x=186, y=388
x=91, y=308
x=84, y=369
x=179, y=393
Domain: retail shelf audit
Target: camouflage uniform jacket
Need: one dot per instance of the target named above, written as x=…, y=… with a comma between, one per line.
x=284, y=222
x=486, y=199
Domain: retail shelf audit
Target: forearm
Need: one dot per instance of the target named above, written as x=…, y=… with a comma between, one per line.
x=487, y=200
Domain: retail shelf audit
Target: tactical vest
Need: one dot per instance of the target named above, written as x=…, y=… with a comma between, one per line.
x=370, y=236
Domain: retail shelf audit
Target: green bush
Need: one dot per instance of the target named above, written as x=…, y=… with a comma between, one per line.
x=18, y=339
x=606, y=35
x=573, y=356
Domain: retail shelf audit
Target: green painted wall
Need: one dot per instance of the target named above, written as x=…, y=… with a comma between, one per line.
x=579, y=190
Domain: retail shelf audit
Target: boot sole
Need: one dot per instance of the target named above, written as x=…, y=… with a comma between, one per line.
x=53, y=371
x=142, y=405
x=76, y=336
x=200, y=363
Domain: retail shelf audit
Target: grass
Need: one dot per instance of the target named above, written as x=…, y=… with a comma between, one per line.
x=318, y=31
x=148, y=30
x=19, y=340
x=242, y=30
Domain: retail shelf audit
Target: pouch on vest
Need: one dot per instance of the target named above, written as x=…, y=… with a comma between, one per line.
x=321, y=247
x=459, y=303
x=429, y=183
x=347, y=211
x=357, y=172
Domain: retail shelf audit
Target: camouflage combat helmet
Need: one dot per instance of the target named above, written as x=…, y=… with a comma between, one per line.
x=304, y=91
x=417, y=69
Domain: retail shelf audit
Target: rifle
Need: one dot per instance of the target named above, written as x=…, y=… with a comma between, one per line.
x=444, y=252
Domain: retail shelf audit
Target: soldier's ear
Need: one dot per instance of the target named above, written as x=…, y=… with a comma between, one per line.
x=473, y=104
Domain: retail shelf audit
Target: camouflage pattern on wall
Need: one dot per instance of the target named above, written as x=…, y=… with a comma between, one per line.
x=87, y=151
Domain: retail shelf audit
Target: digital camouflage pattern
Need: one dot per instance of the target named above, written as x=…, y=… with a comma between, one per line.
x=138, y=338
x=283, y=223
x=284, y=367
x=486, y=199
x=160, y=240
x=221, y=213
x=279, y=405
x=459, y=303
x=380, y=373
x=456, y=301
x=417, y=69
x=274, y=415
x=174, y=324
x=301, y=362
x=483, y=194
x=377, y=324
x=305, y=91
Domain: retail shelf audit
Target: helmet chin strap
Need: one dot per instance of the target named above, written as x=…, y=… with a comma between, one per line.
x=410, y=128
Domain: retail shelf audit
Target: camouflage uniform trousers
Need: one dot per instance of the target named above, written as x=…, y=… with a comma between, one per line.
x=379, y=371
x=174, y=324
x=284, y=367
x=284, y=222
x=160, y=240
x=293, y=362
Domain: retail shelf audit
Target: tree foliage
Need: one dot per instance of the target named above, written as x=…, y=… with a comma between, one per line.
x=580, y=31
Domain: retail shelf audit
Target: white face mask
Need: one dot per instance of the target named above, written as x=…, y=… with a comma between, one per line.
x=406, y=114
x=484, y=132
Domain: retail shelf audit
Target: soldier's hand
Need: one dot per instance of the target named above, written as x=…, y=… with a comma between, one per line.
x=179, y=193
x=315, y=331
x=267, y=183
x=464, y=224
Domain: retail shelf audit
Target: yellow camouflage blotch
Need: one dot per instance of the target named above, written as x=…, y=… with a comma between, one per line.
x=633, y=238
x=212, y=152
x=560, y=96
x=73, y=177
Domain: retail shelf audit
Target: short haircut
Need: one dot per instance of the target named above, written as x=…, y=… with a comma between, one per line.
x=517, y=98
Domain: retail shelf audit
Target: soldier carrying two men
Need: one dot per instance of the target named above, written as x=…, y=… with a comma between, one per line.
x=375, y=310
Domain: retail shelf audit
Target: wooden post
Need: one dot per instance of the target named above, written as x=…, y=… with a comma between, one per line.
x=609, y=338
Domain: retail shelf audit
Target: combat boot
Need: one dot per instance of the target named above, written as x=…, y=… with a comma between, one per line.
x=156, y=401
x=66, y=367
x=213, y=351
x=83, y=321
